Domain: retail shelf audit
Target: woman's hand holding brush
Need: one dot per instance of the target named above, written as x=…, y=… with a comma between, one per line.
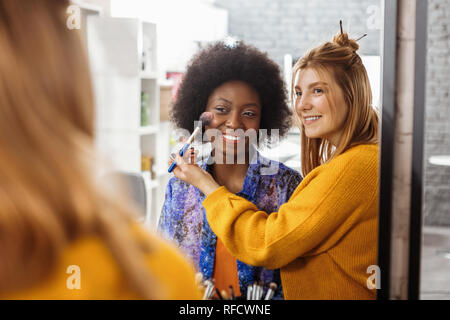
x=188, y=171
x=205, y=119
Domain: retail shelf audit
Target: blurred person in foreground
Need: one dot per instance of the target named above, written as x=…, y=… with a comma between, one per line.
x=56, y=218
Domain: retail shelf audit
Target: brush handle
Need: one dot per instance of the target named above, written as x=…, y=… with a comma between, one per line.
x=185, y=147
x=269, y=294
x=181, y=153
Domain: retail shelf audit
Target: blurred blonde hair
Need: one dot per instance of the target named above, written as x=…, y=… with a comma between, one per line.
x=48, y=194
x=338, y=61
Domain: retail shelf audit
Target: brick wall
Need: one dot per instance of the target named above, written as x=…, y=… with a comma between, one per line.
x=437, y=124
x=292, y=26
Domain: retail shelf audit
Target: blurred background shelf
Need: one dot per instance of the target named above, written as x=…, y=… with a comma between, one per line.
x=88, y=8
x=149, y=75
x=148, y=130
x=122, y=54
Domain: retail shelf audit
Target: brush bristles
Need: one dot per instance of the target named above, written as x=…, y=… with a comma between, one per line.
x=273, y=286
x=206, y=118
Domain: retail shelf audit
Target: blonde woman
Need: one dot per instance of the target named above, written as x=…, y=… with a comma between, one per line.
x=62, y=236
x=325, y=237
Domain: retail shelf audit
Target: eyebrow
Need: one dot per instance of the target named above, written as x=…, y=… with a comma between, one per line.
x=315, y=84
x=245, y=105
x=223, y=99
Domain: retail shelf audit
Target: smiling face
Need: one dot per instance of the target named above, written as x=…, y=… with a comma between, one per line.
x=235, y=105
x=322, y=112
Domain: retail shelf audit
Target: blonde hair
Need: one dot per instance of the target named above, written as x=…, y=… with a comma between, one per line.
x=48, y=195
x=339, y=61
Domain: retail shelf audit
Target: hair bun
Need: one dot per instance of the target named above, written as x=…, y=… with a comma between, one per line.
x=343, y=40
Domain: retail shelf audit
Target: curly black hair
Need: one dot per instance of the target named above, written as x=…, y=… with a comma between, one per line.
x=219, y=63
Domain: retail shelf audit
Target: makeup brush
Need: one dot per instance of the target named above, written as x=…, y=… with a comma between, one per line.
x=205, y=119
x=249, y=292
x=232, y=293
x=224, y=295
x=209, y=288
x=259, y=291
x=219, y=294
x=270, y=293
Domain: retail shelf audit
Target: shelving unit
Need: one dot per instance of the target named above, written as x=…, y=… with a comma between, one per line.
x=122, y=53
x=87, y=10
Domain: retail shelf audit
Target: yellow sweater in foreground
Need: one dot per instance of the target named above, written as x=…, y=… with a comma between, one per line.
x=101, y=278
x=323, y=239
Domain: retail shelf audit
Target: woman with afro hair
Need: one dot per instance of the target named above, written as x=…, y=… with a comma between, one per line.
x=242, y=88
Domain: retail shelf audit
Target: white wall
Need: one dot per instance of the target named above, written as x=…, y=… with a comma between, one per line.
x=180, y=23
x=373, y=67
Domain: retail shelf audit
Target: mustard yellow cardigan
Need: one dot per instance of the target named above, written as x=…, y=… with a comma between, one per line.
x=101, y=277
x=323, y=239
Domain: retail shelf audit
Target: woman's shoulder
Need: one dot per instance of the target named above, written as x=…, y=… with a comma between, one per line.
x=163, y=261
x=368, y=149
x=361, y=160
x=87, y=269
x=361, y=155
x=170, y=266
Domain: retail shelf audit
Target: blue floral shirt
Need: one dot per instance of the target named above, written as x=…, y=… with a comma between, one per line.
x=268, y=184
